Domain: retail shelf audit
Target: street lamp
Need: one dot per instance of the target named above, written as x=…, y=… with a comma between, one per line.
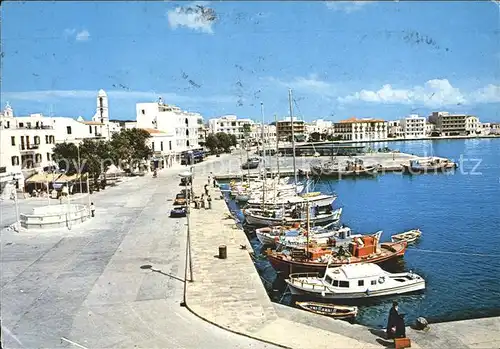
x=14, y=192
x=187, y=175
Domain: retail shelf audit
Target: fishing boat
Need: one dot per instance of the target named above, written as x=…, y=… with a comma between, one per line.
x=332, y=310
x=316, y=259
x=314, y=198
x=268, y=236
x=258, y=217
x=354, y=281
x=324, y=237
x=351, y=169
x=288, y=236
x=409, y=236
x=251, y=164
x=428, y=165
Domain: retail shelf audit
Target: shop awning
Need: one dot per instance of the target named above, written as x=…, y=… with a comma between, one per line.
x=42, y=178
x=74, y=177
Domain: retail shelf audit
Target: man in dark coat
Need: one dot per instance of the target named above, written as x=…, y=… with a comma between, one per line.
x=395, y=323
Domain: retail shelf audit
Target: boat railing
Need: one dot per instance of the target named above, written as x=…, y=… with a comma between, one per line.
x=303, y=275
x=298, y=281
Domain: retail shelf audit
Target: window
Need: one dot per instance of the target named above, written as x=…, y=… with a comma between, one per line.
x=15, y=161
x=335, y=283
x=68, y=130
x=361, y=282
x=374, y=282
x=13, y=140
x=38, y=158
x=186, y=121
x=161, y=146
x=90, y=129
x=143, y=112
x=3, y=169
x=21, y=124
x=37, y=140
x=344, y=284
x=328, y=279
x=169, y=145
x=187, y=143
x=47, y=139
x=48, y=156
x=8, y=124
x=153, y=146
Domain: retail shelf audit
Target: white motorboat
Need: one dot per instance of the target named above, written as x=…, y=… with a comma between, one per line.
x=258, y=217
x=354, y=281
x=269, y=235
x=315, y=198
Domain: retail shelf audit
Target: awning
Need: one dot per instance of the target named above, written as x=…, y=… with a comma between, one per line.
x=42, y=178
x=71, y=178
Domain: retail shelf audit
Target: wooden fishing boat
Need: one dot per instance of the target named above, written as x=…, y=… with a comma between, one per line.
x=428, y=165
x=332, y=310
x=409, y=236
x=296, y=261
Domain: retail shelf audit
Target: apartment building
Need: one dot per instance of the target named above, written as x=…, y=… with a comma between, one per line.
x=394, y=129
x=181, y=125
x=355, y=129
x=413, y=126
x=455, y=124
x=284, y=129
x=266, y=132
x=230, y=124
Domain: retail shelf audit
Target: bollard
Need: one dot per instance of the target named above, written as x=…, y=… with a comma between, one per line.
x=222, y=252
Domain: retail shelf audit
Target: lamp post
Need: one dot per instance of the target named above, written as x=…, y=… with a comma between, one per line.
x=79, y=166
x=14, y=192
x=188, y=175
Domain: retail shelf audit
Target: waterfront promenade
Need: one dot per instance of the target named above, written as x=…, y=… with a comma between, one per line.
x=86, y=284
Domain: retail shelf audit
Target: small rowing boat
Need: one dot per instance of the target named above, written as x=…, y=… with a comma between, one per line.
x=332, y=310
x=409, y=236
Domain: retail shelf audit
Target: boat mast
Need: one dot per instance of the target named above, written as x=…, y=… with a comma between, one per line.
x=277, y=145
x=264, y=154
x=293, y=138
x=307, y=228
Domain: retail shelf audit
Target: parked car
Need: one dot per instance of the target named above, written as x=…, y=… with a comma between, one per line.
x=180, y=200
x=178, y=212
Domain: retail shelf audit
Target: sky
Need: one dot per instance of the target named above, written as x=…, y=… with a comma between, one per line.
x=341, y=59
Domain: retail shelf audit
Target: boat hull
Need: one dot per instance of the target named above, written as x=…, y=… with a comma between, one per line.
x=288, y=266
x=403, y=289
x=256, y=220
x=331, y=310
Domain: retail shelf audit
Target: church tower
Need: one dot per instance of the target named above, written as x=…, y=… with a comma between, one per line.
x=102, y=112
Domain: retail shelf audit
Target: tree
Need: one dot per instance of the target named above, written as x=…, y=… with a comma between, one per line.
x=96, y=157
x=224, y=141
x=129, y=147
x=234, y=140
x=315, y=137
x=212, y=142
x=66, y=157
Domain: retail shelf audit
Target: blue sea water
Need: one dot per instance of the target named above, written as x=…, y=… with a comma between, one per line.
x=459, y=215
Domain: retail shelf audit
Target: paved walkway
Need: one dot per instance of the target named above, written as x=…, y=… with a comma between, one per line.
x=87, y=285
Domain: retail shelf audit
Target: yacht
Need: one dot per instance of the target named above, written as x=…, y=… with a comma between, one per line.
x=354, y=281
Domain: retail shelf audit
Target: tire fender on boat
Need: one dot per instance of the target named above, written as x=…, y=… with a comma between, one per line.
x=381, y=279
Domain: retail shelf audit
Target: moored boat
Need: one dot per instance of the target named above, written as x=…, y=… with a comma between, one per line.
x=354, y=281
x=318, y=258
x=409, y=236
x=315, y=198
x=258, y=217
x=428, y=165
x=332, y=310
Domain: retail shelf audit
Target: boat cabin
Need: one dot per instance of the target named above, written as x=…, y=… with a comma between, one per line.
x=363, y=246
x=357, y=277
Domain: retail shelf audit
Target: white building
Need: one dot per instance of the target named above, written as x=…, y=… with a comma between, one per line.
x=394, y=129
x=171, y=120
x=162, y=145
x=320, y=126
x=25, y=147
x=230, y=124
x=354, y=129
x=266, y=131
x=413, y=126
x=429, y=129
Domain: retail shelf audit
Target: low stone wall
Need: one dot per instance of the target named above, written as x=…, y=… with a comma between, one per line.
x=57, y=216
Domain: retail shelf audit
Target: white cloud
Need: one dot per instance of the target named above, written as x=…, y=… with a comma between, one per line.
x=72, y=33
x=434, y=93
x=347, y=6
x=196, y=16
x=83, y=35
x=168, y=97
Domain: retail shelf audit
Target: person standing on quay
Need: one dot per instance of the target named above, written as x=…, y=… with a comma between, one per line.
x=206, y=189
x=92, y=209
x=395, y=323
x=209, y=202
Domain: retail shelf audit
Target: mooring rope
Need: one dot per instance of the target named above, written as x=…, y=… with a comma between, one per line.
x=454, y=253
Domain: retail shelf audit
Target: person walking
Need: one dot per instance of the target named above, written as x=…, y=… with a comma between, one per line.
x=92, y=209
x=395, y=323
x=206, y=189
x=209, y=202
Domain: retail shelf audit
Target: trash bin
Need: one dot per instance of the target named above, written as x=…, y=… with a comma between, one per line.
x=222, y=252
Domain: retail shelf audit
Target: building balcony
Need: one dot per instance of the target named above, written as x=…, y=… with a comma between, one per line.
x=28, y=148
